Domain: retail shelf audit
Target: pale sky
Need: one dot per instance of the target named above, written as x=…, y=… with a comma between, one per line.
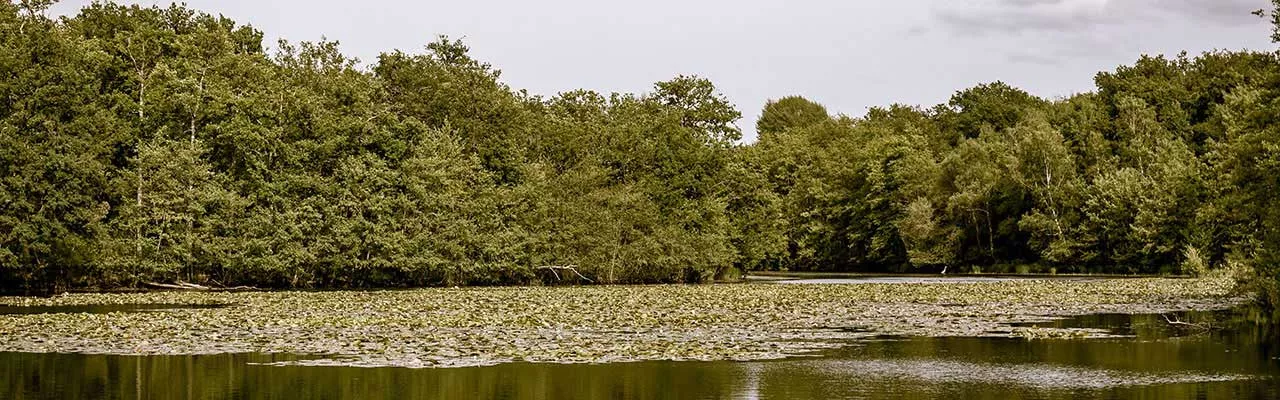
x=846, y=54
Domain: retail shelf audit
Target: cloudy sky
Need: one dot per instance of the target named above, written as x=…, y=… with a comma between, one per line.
x=846, y=54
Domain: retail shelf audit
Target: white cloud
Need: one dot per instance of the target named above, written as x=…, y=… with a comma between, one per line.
x=1074, y=16
x=1048, y=32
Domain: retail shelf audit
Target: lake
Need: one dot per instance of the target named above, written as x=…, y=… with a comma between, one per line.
x=1206, y=355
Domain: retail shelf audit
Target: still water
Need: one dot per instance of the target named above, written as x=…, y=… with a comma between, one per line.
x=1222, y=356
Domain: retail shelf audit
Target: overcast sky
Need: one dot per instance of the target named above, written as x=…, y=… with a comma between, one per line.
x=847, y=54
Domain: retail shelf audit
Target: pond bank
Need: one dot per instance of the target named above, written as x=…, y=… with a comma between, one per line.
x=454, y=327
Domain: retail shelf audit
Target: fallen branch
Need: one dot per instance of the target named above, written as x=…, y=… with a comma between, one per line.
x=571, y=268
x=1179, y=322
x=157, y=285
x=186, y=286
x=193, y=286
x=233, y=288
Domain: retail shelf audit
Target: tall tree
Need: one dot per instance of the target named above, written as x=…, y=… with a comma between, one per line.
x=447, y=88
x=787, y=113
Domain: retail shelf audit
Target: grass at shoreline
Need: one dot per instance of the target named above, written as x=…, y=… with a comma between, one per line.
x=476, y=326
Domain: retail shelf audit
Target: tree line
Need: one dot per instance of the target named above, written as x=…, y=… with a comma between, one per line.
x=166, y=144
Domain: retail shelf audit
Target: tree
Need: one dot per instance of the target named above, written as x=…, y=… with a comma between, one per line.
x=929, y=241
x=995, y=106
x=56, y=153
x=1040, y=161
x=447, y=89
x=169, y=232
x=975, y=181
x=1253, y=168
x=755, y=210
x=787, y=113
x=700, y=108
x=162, y=143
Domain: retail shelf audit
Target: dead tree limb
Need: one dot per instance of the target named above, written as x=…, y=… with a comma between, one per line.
x=1176, y=321
x=157, y=285
x=186, y=286
x=570, y=268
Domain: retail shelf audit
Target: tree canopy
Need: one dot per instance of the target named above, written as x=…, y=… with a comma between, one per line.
x=162, y=144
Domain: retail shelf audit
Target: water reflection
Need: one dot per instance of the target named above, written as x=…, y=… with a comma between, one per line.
x=1160, y=362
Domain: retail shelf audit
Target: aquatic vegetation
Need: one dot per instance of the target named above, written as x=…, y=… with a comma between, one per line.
x=1035, y=333
x=477, y=326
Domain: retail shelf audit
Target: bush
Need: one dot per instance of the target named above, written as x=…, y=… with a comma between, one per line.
x=1194, y=262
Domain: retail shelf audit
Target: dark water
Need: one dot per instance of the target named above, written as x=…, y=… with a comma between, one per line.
x=1233, y=359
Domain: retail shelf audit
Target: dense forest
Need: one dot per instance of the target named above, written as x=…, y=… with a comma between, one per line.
x=166, y=144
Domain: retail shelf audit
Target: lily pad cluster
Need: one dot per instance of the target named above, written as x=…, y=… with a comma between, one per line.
x=449, y=327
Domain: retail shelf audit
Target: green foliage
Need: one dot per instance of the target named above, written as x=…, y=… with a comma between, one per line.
x=55, y=149
x=170, y=226
x=791, y=112
x=446, y=87
x=927, y=241
x=994, y=106
x=161, y=144
x=1166, y=168
x=1194, y=262
x=756, y=212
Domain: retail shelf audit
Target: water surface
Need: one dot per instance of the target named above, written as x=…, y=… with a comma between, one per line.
x=1232, y=359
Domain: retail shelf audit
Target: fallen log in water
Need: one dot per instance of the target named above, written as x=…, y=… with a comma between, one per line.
x=187, y=286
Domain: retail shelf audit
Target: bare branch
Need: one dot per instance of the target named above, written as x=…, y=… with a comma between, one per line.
x=1176, y=321
x=571, y=268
